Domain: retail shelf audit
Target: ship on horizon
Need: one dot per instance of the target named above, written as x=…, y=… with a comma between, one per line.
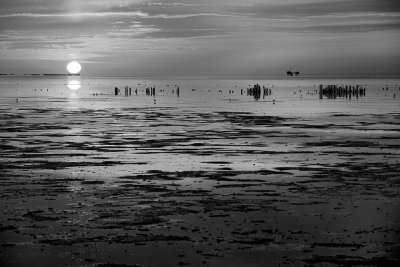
x=292, y=73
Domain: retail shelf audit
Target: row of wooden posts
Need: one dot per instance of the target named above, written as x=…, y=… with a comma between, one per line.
x=342, y=91
x=329, y=91
x=256, y=91
x=150, y=91
x=128, y=91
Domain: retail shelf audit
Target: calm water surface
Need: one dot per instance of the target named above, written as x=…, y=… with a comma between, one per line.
x=293, y=96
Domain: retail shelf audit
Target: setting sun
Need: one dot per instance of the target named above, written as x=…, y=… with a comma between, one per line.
x=74, y=67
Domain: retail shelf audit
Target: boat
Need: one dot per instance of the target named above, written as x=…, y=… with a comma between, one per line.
x=292, y=73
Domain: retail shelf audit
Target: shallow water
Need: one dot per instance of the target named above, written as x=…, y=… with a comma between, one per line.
x=211, y=177
x=296, y=95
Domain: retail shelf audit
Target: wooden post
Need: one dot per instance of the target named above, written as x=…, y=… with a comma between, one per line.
x=320, y=91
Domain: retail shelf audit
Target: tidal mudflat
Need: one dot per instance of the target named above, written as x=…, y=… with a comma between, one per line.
x=209, y=178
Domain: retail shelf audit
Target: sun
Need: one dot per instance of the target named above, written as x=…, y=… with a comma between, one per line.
x=74, y=67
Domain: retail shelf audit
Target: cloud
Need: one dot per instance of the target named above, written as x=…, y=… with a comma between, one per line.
x=46, y=45
x=208, y=36
x=316, y=8
x=84, y=14
x=183, y=16
x=348, y=28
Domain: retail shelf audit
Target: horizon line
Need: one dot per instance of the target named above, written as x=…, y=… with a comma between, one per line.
x=230, y=76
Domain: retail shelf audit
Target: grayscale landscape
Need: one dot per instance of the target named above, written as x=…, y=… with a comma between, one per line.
x=199, y=133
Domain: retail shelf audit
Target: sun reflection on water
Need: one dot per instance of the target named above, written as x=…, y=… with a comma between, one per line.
x=74, y=84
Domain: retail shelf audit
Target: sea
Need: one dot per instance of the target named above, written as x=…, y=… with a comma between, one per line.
x=211, y=176
x=290, y=96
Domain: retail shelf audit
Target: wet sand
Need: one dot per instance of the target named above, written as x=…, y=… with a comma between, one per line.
x=86, y=184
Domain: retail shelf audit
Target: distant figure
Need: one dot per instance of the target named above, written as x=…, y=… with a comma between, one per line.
x=116, y=90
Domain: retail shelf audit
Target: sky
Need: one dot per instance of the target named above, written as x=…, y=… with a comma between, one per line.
x=201, y=37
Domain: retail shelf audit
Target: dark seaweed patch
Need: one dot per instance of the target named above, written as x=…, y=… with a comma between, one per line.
x=337, y=245
x=344, y=260
x=254, y=241
x=92, y=182
x=217, y=162
x=41, y=215
x=341, y=144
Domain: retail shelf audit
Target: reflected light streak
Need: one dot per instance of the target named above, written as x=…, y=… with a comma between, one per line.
x=74, y=84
